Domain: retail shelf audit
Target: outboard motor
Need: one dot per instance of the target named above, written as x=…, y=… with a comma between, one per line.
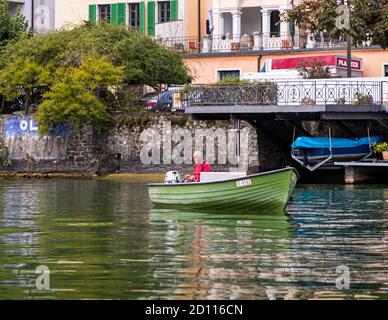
x=172, y=177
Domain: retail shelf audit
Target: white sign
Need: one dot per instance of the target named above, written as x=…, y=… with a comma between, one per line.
x=244, y=183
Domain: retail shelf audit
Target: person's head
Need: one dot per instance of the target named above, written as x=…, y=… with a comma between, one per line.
x=197, y=157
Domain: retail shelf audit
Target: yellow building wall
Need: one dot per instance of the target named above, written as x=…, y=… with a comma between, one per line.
x=69, y=13
x=204, y=69
x=191, y=16
x=73, y=12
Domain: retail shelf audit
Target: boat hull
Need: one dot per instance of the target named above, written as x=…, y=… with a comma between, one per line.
x=336, y=154
x=310, y=150
x=266, y=191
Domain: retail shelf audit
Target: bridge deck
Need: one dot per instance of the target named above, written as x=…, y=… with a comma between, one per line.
x=315, y=112
x=290, y=100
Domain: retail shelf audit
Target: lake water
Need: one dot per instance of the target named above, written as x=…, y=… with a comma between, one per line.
x=102, y=239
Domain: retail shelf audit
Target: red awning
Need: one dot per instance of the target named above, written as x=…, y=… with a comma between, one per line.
x=292, y=63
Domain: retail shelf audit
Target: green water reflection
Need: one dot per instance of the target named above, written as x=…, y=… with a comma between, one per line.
x=102, y=239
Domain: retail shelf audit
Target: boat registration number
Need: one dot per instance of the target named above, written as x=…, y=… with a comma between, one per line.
x=244, y=183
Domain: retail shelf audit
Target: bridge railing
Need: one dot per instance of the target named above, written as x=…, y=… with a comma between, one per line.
x=287, y=93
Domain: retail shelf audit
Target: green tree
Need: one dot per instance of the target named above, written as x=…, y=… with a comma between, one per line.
x=87, y=68
x=368, y=19
x=147, y=63
x=80, y=95
x=21, y=77
x=11, y=28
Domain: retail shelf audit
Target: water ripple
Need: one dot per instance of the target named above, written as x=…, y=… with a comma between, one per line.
x=101, y=240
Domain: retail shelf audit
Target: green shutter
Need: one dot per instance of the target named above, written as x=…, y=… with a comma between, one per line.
x=113, y=13
x=93, y=13
x=142, y=18
x=151, y=18
x=121, y=16
x=292, y=26
x=173, y=10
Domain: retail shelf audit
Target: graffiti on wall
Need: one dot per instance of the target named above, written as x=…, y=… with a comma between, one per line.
x=22, y=138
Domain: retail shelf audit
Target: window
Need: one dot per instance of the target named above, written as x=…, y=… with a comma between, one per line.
x=104, y=13
x=228, y=74
x=385, y=70
x=134, y=15
x=164, y=11
x=275, y=23
x=14, y=7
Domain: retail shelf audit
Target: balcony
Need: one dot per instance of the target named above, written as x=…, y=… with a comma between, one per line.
x=250, y=42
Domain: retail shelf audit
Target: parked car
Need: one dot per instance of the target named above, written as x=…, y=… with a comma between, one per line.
x=160, y=101
x=163, y=101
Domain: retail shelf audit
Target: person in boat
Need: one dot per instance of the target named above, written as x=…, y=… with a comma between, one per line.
x=200, y=165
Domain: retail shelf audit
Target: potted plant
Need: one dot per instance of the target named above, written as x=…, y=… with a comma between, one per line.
x=306, y=101
x=360, y=98
x=381, y=148
x=341, y=100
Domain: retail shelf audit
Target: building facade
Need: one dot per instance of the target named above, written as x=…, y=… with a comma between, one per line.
x=212, y=68
x=168, y=19
x=249, y=24
x=218, y=38
x=246, y=36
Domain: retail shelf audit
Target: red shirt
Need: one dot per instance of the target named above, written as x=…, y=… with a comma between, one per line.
x=198, y=168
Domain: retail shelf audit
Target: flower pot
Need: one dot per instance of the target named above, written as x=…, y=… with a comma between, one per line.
x=385, y=155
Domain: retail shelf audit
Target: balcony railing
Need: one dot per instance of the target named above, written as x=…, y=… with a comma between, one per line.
x=253, y=42
x=182, y=44
x=288, y=93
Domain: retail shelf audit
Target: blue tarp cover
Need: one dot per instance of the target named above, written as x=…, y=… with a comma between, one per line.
x=324, y=143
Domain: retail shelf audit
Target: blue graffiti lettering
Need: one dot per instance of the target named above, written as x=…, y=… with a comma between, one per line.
x=27, y=126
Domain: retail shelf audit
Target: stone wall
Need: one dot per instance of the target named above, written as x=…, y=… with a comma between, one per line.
x=118, y=149
x=127, y=141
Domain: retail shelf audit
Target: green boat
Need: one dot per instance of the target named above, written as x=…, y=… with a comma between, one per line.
x=263, y=191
